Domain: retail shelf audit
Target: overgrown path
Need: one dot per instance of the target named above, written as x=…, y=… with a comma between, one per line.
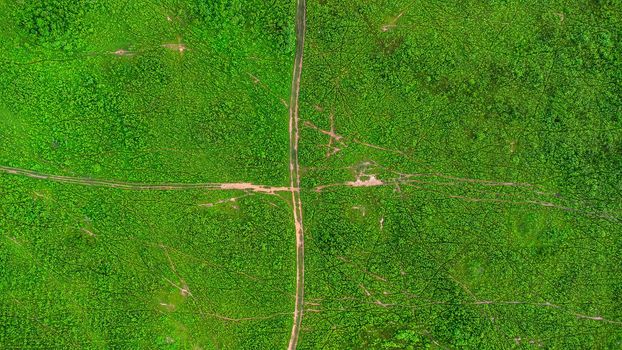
x=137, y=186
x=294, y=173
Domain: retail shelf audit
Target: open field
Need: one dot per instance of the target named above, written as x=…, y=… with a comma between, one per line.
x=322, y=175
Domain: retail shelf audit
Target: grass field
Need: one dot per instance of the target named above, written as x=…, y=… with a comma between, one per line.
x=449, y=175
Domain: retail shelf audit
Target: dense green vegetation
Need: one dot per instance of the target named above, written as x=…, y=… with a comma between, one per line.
x=454, y=93
x=491, y=132
x=103, y=268
x=101, y=89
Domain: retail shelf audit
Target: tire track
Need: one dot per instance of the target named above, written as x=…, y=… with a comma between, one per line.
x=137, y=186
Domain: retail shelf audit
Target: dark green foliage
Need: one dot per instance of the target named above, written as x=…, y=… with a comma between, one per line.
x=53, y=23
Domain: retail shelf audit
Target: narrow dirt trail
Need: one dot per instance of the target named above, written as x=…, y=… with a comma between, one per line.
x=294, y=173
x=137, y=186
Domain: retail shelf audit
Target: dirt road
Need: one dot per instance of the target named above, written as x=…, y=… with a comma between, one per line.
x=137, y=186
x=294, y=174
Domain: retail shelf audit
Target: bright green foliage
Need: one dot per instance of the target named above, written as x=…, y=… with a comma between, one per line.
x=432, y=97
x=105, y=89
x=494, y=126
x=103, y=268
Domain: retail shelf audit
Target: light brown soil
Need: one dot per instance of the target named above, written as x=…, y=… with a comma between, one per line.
x=176, y=47
x=369, y=182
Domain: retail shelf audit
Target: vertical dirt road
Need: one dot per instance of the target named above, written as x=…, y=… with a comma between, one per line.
x=294, y=174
